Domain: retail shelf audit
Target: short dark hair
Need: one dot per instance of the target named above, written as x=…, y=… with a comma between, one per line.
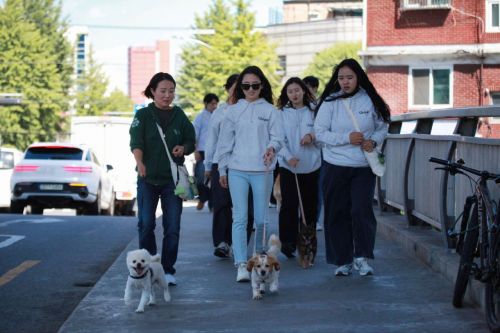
x=230, y=81
x=155, y=80
x=209, y=98
x=311, y=81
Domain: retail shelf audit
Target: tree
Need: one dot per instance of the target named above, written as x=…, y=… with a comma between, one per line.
x=90, y=89
x=118, y=101
x=212, y=58
x=324, y=61
x=29, y=65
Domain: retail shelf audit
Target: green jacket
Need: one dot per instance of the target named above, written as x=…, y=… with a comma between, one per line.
x=145, y=136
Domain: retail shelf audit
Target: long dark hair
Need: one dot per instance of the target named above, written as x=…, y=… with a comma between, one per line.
x=153, y=83
x=284, y=101
x=266, y=92
x=333, y=86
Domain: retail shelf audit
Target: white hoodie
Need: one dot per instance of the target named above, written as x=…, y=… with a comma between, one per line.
x=333, y=126
x=248, y=130
x=296, y=124
x=214, y=127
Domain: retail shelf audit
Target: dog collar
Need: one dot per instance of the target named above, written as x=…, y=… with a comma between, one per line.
x=143, y=275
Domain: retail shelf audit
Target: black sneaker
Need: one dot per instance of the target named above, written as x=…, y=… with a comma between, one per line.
x=288, y=251
x=222, y=251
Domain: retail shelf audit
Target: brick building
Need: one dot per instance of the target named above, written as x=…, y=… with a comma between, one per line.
x=430, y=54
x=143, y=63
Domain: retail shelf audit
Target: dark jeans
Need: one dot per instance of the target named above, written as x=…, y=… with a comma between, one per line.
x=222, y=220
x=350, y=223
x=321, y=180
x=203, y=189
x=171, y=206
x=289, y=216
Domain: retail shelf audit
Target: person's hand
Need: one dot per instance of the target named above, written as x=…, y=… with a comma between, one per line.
x=197, y=156
x=178, y=151
x=356, y=138
x=223, y=181
x=141, y=169
x=207, y=174
x=368, y=145
x=307, y=139
x=268, y=156
x=293, y=162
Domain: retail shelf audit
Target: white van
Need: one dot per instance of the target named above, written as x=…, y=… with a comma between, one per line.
x=9, y=157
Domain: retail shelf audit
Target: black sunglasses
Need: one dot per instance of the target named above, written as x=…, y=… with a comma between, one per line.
x=254, y=86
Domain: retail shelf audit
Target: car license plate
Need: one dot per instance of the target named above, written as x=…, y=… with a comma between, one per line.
x=51, y=187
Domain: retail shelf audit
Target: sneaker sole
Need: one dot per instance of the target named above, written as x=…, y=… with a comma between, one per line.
x=221, y=253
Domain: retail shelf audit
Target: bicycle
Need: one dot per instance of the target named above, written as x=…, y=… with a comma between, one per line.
x=479, y=218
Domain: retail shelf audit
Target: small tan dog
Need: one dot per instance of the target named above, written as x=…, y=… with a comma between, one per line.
x=265, y=268
x=277, y=192
x=145, y=271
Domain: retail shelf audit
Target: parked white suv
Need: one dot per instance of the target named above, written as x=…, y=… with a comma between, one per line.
x=9, y=157
x=61, y=175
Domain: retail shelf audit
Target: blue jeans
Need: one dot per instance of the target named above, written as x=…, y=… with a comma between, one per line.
x=171, y=206
x=239, y=184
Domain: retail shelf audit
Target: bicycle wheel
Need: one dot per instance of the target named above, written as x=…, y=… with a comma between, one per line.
x=492, y=290
x=466, y=258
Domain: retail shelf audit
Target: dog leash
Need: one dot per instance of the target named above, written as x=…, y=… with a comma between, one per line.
x=300, y=201
x=265, y=217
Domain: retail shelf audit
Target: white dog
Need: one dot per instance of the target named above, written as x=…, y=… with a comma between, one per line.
x=265, y=268
x=144, y=271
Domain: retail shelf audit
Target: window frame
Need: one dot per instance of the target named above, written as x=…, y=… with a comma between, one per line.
x=431, y=105
x=488, y=11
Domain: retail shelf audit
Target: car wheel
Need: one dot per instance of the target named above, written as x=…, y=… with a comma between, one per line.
x=111, y=210
x=16, y=207
x=36, y=210
x=94, y=208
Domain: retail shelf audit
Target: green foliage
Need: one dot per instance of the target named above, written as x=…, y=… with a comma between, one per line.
x=324, y=61
x=90, y=89
x=212, y=58
x=32, y=64
x=118, y=101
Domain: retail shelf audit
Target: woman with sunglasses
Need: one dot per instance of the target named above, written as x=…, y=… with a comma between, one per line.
x=250, y=137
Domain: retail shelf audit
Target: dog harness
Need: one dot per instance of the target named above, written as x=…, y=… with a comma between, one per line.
x=143, y=275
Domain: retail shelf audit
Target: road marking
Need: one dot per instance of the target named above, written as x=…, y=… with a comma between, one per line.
x=13, y=273
x=27, y=220
x=11, y=239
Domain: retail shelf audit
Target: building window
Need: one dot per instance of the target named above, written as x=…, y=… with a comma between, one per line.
x=495, y=97
x=282, y=65
x=492, y=15
x=430, y=87
x=425, y=4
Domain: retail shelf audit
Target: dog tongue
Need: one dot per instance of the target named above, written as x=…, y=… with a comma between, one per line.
x=138, y=270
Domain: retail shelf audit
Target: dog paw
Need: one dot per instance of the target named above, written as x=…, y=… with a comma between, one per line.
x=167, y=298
x=139, y=310
x=273, y=289
x=258, y=296
x=127, y=301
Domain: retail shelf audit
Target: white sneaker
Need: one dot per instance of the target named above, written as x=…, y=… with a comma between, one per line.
x=170, y=280
x=243, y=274
x=344, y=270
x=361, y=265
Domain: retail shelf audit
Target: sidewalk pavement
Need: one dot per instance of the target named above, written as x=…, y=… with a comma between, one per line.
x=406, y=294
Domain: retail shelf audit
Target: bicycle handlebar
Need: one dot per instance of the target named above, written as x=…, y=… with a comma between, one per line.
x=458, y=166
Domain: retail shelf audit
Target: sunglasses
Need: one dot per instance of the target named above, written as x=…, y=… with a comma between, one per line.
x=254, y=86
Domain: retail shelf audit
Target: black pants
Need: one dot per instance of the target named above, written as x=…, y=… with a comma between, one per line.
x=203, y=190
x=289, y=216
x=222, y=219
x=350, y=223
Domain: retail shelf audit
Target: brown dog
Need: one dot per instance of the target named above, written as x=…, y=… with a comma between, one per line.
x=307, y=245
x=277, y=192
x=265, y=269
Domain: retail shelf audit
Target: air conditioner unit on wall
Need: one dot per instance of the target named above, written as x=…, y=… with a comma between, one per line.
x=425, y=4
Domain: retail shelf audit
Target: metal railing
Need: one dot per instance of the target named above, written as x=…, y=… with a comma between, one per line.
x=411, y=184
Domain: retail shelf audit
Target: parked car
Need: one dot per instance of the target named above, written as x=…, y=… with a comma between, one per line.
x=9, y=157
x=61, y=175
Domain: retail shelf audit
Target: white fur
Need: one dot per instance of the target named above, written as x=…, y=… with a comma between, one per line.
x=138, y=263
x=265, y=269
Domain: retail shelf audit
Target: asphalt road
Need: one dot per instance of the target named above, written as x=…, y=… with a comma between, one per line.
x=49, y=263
